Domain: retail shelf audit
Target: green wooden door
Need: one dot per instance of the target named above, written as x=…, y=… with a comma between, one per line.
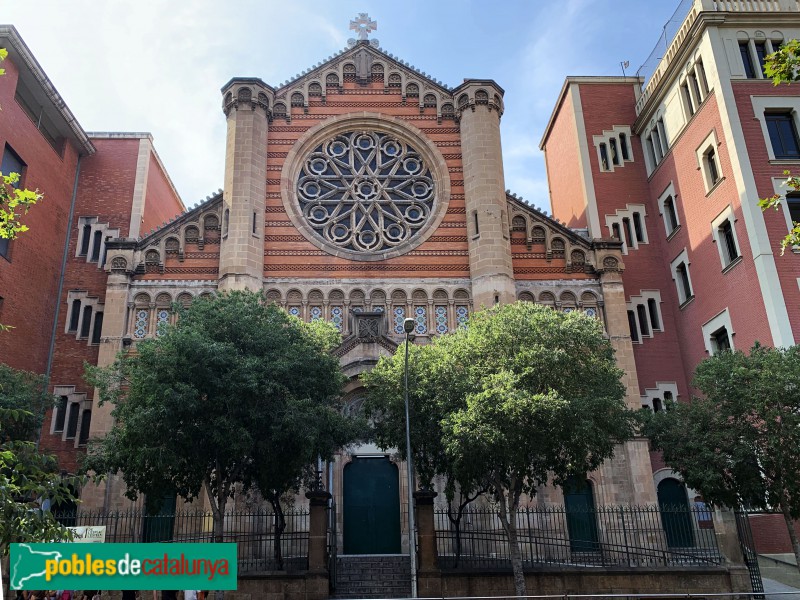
x=675, y=516
x=158, y=526
x=581, y=517
x=371, y=507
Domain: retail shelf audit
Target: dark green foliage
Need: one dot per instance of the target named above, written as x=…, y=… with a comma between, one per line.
x=522, y=396
x=738, y=444
x=237, y=392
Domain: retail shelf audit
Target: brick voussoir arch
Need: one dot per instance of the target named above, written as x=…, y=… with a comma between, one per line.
x=367, y=121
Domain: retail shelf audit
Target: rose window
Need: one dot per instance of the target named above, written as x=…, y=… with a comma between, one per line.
x=365, y=191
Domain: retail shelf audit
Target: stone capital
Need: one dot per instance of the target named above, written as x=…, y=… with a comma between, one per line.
x=247, y=93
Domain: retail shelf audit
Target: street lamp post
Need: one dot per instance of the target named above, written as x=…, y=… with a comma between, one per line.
x=408, y=327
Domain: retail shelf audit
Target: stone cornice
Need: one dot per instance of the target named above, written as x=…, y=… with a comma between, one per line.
x=25, y=61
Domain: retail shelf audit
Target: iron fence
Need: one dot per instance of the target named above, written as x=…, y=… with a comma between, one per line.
x=253, y=531
x=629, y=536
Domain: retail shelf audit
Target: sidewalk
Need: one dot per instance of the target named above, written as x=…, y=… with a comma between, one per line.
x=772, y=587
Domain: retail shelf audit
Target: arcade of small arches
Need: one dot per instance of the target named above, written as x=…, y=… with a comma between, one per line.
x=567, y=301
x=435, y=311
x=363, y=69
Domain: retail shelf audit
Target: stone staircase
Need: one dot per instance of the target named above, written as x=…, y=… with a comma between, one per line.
x=373, y=576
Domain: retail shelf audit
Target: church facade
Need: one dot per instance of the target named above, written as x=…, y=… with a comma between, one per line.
x=364, y=193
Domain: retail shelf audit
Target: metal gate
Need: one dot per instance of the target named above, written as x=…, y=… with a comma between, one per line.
x=332, y=546
x=749, y=554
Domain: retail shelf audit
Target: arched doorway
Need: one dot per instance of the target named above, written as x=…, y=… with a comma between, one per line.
x=675, y=516
x=371, y=507
x=581, y=517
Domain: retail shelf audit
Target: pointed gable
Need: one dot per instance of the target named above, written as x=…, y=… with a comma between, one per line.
x=366, y=65
x=187, y=247
x=542, y=247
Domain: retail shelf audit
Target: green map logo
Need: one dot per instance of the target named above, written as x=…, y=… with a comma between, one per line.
x=123, y=566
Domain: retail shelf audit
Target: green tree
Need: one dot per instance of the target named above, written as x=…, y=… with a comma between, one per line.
x=434, y=392
x=237, y=392
x=23, y=391
x=527, y=395
x=738, y=444
x=782, y=67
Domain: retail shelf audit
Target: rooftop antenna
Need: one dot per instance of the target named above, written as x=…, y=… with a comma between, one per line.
x=624, y=65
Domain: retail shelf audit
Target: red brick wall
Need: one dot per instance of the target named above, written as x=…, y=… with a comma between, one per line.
x=161, y=201
x=770, y=535
x=738, y=288
x=788, y=265
x=604, y=106
x=29, y=301
x=564, y=176
x=105, y=191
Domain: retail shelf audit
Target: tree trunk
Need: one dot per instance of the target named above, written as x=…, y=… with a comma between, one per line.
x=280, y=526
x=792, y=533
x=508, y=518
x=456, y=521
x=218, y=512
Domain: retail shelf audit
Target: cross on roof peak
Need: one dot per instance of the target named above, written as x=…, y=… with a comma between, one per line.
x=363, y=25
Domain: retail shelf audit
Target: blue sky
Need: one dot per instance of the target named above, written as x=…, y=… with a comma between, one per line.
x=158, y=65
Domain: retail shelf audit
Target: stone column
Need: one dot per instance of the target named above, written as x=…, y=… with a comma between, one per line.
x=246, y=102
x=317, y=530
x=633, y=456
x=479, y=109
x=120, y=263
x=429, y=577
x=426, y=530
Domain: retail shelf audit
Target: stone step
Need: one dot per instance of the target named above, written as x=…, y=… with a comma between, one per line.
x=372, y=576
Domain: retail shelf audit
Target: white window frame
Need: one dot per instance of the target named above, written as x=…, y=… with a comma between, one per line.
x=627, y=213
x=651, y=394
x=641, y=300
x=682, y=258
x=669, y=193
x=710, y=143
x=722, y=319
x=77, y=398
x=606, y=138
x=726, y=215
x=764, y=104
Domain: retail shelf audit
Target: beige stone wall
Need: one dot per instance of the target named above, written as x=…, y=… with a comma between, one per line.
x=492, y=273
x=629, y=474
x=241, y=262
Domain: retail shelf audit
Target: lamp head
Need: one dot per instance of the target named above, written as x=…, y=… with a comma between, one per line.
x=408, y=325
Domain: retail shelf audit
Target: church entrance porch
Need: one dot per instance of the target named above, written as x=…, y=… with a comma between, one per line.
x=371, y=506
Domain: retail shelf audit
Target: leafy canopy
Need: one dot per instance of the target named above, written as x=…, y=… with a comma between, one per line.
x=738, y=443
x=237, y=391
x=542, y=396
x=523, y=395
x=25, y=395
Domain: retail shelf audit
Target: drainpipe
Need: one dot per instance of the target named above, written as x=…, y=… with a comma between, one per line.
x=51, y=351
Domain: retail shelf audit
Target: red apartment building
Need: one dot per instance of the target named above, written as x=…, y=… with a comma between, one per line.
x=96, y=187
x=673, y=166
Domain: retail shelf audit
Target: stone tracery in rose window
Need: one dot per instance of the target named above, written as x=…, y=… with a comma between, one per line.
x=365, y=191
